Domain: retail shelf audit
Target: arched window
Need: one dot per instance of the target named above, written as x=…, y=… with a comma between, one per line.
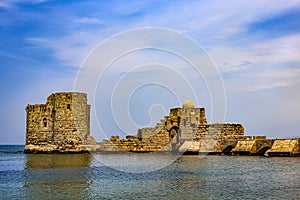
x=45, y=122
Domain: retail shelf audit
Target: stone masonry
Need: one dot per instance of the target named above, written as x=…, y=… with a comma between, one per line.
x=185, y=130
x=61, y=125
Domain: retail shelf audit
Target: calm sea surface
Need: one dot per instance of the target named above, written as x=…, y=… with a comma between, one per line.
x=83, y=176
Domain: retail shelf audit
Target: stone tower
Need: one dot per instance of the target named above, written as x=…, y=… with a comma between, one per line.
x=191, y=119
x=62, y=124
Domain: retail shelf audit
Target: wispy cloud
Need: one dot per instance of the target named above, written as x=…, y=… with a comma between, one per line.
x=4, y=5
x=255, y=80
x=70, y=50
x=218, y=28
x=279, y=50
x=209, y=22
x=215, y=20
x=255, y=44
x=13, y=3
x=88, y=20
x=264, y=65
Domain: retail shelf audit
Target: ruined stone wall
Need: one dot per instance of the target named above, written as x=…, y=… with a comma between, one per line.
x=184, y=128
x=62, y=123
x=150, y=131
x=216, y=137
x=285, y=147
x=221, y=131
x=191, y=119
x=39, y=124
x=244, y=147
x=71, y=117
x=172, y=120
x=147, y=139
x=258, y=146
x=156, y=142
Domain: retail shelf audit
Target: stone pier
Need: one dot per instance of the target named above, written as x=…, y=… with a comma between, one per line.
x=285, y=147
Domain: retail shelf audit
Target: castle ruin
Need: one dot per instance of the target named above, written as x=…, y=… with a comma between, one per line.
x=184, y=130
x=62, y=125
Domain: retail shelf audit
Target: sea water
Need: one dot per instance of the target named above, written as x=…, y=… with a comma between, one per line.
x=85, y=176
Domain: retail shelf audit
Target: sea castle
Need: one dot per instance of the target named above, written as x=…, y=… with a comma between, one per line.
x=62, y=125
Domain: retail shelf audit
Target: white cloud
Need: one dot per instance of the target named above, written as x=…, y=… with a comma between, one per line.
x=264, y=78
x=213, y=24
x=215, y=19
x=13, y=3
x=208, y=21
x=4, y=5
x=256, y=67
x=70, y=50
x=279, y=50
x=88, y=20
x=284, y=49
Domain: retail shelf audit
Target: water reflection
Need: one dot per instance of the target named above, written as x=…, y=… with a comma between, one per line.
x=44, y=161
x=135, y=162
x=83, y=176
x=57, y=176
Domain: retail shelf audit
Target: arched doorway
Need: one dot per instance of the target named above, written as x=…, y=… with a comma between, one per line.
x=228, y=149
x=263, y=150
x=174, y=134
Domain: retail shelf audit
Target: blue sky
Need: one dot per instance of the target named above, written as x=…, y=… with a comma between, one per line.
x=254, y=44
